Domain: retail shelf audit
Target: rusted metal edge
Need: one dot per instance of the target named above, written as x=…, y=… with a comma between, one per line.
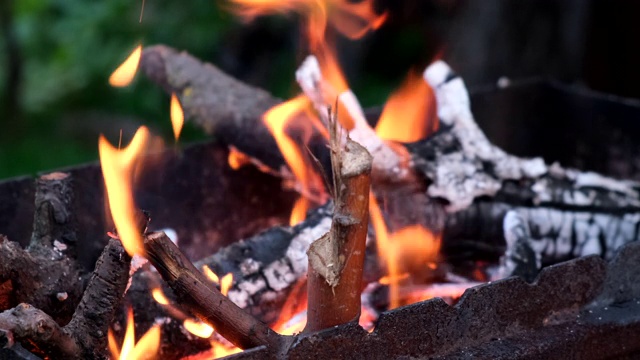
x=571, y=302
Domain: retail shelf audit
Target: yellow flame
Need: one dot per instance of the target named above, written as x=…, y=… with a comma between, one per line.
x=118, y=170
x=177, y=116
x=225, y=283
x=409, y=247
x=299, y=211
x=146, y=348
x=276, y=120
x=159, y=296
x=198, y=328
x=210, y=274
x=406, y=114
x=237, y=158
x=124, y=74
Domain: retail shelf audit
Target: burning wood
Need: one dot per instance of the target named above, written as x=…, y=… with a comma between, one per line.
x=336, y=260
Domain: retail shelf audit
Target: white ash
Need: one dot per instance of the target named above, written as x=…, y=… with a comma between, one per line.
x=461, y=177
x=557, y=234
x=281, y=273
x=62, y=296
x=59, y=246
x=171, y=234
x=249, y=266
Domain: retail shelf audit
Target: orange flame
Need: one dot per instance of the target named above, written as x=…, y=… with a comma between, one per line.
x=124, y=74
x=353, y=20
x=177, y=116
x=210, y=274
x=146, y=348
x=277, y=119
x=402, y=250
x=118, y=170
x=198, y=328
x=237, y=158
x=406, y=115
x=159, y=296
x=225, y=283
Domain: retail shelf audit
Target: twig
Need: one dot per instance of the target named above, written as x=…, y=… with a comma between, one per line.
x=336, y=260
x=199, y=296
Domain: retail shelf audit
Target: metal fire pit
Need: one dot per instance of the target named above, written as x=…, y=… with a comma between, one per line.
x=580, y=309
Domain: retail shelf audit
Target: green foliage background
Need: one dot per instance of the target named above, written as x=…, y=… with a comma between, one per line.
x=68, y=48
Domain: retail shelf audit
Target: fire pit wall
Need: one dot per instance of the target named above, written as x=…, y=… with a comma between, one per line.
x=209, y=205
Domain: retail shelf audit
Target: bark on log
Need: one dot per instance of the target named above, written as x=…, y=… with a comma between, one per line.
x=198, y=295
x=221, y=105
x=336, y=260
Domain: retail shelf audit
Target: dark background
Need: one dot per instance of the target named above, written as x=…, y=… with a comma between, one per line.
x=56, y=56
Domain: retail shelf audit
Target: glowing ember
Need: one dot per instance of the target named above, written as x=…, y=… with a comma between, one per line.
x=124, y=74
x=292, y=318
x=237, y=159
x=277, y=119
x=198, y=328
x=118, y=170
x=225, y=283
x=406, y=249
x=159, y=296
x=406, y=114
x=177, y=116
x=146, y=348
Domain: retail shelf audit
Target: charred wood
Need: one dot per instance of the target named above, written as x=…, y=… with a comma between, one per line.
x=46, y=274
x=84, y=337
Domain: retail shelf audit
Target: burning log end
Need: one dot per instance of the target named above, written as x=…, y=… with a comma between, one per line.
x=200, y=297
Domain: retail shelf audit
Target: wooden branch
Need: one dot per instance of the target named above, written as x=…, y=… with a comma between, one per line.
x=85, y=336
x=219, y=104
x=200, y=297
x=93, y=315
x=25, y=324
x=336, y=260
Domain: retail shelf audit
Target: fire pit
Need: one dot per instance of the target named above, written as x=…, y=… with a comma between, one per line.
x=477, y=248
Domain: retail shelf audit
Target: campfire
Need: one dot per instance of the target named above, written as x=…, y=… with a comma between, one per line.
x=314, y=228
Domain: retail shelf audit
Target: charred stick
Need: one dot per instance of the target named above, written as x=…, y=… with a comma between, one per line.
x=54, y=223
x=336, y=260
x=27, y=324
x=85, y=336
x=199, y=296
x=45, y=275
x=93, y=315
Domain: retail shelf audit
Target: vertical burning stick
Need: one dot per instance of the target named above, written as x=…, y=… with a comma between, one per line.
x=336, y=260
